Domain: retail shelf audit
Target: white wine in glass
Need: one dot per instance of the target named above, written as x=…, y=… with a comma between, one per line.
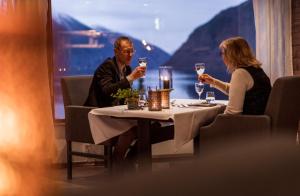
x=143, y=62
x=200, y=68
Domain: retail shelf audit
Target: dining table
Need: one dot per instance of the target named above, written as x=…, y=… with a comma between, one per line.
x=187, y=116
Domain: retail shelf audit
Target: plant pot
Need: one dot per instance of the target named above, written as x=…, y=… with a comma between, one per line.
x=132, y=103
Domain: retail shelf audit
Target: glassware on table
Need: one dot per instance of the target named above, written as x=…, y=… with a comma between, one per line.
x=210, y=97
x=199, y=86
x=200, y=68
x=143, y=62
x=142, y=100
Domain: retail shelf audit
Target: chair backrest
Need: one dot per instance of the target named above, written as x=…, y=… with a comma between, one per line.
x=284, y=105
x=75, y=89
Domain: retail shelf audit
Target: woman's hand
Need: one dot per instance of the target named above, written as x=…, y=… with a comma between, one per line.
x=207, y=79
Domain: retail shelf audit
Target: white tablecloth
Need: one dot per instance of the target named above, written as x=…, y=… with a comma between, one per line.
x=187, y=120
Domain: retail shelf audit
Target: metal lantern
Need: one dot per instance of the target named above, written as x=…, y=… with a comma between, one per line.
x=165, y=98
x=154, y=100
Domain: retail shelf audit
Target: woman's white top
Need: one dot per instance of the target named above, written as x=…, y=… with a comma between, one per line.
x=240, y=82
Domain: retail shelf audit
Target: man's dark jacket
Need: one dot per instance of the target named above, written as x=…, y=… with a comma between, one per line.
x=107, y=81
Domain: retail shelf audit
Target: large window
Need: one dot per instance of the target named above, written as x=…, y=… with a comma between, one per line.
x=175, y=33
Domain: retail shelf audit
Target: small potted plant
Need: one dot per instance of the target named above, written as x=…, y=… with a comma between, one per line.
x=131, y=97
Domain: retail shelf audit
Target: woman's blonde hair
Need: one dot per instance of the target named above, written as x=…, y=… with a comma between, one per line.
x=237, y=53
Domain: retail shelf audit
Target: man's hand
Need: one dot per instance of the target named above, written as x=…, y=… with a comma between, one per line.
x=138, y=72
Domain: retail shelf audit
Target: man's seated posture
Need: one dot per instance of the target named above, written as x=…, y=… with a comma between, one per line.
x=113, y=74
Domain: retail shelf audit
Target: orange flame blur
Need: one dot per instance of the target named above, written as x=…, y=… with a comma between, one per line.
x=26, y=125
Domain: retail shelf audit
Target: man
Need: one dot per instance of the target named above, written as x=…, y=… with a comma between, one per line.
x=113, y=74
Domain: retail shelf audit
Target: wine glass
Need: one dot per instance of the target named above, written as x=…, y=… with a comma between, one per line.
x=142, y=99
x=200, y=68
x=210, y=96
x=199, y=86
x=143, y=62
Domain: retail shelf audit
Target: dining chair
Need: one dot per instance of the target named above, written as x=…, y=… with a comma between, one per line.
x=77, y=129
x=280, y=118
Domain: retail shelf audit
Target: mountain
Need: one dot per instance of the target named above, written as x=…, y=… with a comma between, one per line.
x=202, y=44
x=64, y=22
x=79, y=59
x=156, y=56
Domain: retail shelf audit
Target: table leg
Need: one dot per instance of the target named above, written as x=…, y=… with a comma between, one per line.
x=144, y=145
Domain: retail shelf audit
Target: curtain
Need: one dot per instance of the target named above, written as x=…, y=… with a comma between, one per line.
x=26, y=123
x=274, y=36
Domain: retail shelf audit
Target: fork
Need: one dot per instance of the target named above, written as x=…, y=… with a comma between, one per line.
x=173, y=102
x=182, y=105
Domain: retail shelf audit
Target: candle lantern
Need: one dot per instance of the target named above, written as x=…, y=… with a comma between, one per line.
x=165, y=77
x=165, y=98
x=154, y=100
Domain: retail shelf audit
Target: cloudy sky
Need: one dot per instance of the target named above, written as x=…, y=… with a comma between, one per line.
x=165, y=23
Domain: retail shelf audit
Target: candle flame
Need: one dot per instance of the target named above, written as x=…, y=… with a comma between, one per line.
x=164, y=78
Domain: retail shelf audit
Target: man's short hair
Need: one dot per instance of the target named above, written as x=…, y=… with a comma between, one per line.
x=119, y=39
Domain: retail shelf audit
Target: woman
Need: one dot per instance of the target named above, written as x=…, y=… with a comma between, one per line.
x=249, y=87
